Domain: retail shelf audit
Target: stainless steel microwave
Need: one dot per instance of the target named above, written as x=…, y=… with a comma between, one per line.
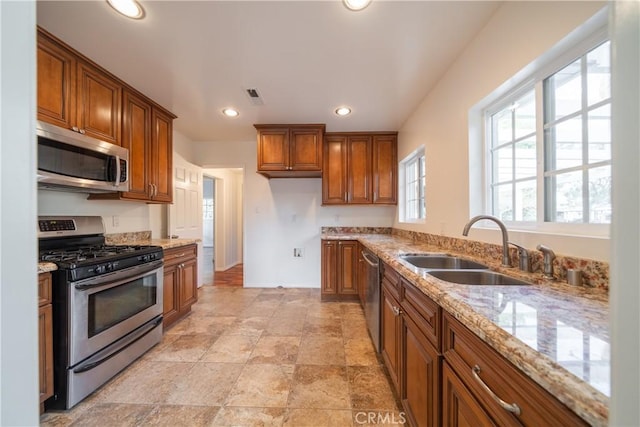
x=72, y=161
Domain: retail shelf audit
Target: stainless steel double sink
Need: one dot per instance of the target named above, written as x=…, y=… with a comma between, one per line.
x=459, y=270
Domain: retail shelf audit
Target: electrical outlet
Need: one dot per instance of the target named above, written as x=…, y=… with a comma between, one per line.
x=115, y=221
x=298, y=252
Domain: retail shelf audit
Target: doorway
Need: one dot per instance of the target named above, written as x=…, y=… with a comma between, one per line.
x=222, y=222
x=208, y=229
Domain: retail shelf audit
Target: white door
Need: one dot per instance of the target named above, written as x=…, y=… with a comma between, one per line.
x=185, y=214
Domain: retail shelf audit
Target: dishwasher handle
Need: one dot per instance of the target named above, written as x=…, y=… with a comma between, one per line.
x=367, y=258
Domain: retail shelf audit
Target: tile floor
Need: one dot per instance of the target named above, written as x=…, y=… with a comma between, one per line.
x=250, y=357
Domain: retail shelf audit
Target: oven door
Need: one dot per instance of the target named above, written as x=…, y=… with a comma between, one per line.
x=105, y=308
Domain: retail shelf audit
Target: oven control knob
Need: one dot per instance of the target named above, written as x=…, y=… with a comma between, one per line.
x=109, y=267
x=100, y=269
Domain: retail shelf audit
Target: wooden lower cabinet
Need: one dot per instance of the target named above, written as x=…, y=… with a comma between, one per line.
x=390, y=336
x=466, y=353
x=180, y=286
x=459, y=407
x=339, y=259
x=45, y=337
x=430, y=357
x=420, y=377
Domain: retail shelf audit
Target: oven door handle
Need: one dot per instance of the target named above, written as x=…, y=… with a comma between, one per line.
x=130, y=273
x=126, y=342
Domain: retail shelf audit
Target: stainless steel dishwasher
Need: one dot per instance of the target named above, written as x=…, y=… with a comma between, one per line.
x=372, y=297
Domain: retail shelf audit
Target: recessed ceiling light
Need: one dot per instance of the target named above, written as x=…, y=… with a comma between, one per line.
x=356, y=4
x=343, y=111
x=129, y=8
x=230, y=112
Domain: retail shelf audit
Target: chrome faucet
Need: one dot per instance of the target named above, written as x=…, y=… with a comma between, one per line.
x=547, y=262
x=506, y=257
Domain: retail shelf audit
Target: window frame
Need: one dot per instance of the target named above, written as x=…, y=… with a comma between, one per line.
x=413, y=157
x=534, y=79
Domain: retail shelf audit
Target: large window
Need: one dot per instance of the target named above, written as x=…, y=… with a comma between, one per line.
x=549, y=146
x=412, y=185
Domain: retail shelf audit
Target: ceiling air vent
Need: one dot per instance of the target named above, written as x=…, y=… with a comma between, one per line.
x=254, y=97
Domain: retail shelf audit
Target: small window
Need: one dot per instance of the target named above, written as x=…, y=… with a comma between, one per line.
x=412, y=187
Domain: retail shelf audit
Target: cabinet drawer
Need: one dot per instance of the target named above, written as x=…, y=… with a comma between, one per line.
x=180, y=254
x=44, y=289
x=391, y=279
x=423, y=311
x=463, y=350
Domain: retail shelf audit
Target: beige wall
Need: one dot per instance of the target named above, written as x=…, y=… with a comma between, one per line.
x=517, y=34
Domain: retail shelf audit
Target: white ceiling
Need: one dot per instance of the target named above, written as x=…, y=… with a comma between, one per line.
x=305, y=58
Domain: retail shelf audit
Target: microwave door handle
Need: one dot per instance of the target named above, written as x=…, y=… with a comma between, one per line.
x=116, y=182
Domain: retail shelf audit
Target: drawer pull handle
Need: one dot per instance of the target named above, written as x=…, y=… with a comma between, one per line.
x=179, y=255
x=511, y=407
x=396, y=311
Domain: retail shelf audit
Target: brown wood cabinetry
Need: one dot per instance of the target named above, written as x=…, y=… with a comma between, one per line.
x=180, y=290
x=45, y=337
x=484, y=372
x=290, y=151
x=442, y=371
x=77, y=94
x=339, y=270
x=74, y=94
x=391, y=323
x=360, y=168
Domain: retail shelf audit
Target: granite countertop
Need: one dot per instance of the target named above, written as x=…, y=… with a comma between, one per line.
x=556, y=334
x=45, y=267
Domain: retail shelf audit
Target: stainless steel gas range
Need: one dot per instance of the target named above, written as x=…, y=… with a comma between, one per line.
x=107, y=304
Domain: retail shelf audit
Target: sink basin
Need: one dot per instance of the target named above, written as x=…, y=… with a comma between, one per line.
x=476, y=277
x=440, y=261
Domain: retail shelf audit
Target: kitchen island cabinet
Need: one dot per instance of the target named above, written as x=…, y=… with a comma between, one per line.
x=45, y=337
x=180, y=288
x=290, y=151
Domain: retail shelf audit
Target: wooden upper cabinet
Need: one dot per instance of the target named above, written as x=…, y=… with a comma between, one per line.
x=77, y=94
x=290, y=151
x=56, y=83
x=74, y=94
x=360, y=168
x=98, y=104
x=136, y=137
x=385, y=169
x=334, y=170
x=161, y=156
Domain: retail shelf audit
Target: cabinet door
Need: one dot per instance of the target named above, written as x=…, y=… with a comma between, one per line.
x=334, y=171
x=171, y=294
x=161, y=156
x=273, y=149
x=188, y=284
x=45, y=351
x=385, y=169
x=390, y=339
x=136, y=137
x=329, y=267
x=459, y=407
x=305, y=149
x=420, y=376
x=347, y=268
x=359, y=169
x=98, y=104
x=56, y=84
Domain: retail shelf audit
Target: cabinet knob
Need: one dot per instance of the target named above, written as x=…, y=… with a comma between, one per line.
x=75, y=129
x=82, y=131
